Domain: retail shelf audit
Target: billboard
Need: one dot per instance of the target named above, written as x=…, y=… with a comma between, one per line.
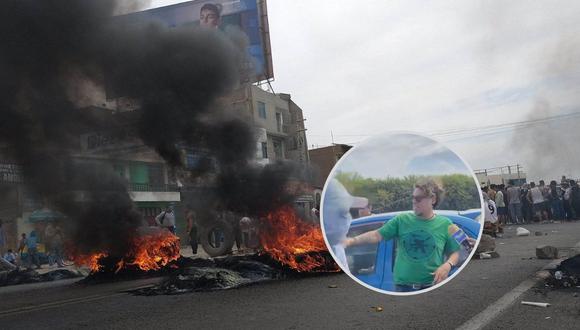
x=248, y=16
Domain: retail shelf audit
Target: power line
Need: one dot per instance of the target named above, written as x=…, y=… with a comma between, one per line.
x=482, y=130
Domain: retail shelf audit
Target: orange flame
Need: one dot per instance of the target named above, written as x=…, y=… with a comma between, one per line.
x=149, y=251
x=293, y=242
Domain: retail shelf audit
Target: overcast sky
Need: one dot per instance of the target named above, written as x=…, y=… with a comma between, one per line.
x=399, y=155
x=358, y=68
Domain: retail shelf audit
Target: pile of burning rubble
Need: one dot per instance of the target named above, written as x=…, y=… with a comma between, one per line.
x=290, y=248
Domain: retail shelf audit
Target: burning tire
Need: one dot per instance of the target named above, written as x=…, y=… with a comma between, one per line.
x=217, y=239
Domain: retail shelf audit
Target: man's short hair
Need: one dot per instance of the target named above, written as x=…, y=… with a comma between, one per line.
x=431, y=189
x=211, y=7
x=532, y=184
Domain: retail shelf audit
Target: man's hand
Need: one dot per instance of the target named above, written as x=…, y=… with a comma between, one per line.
x=441, y=273
x=347, y=242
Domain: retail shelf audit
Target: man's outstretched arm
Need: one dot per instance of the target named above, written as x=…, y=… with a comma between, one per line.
x=370, y=237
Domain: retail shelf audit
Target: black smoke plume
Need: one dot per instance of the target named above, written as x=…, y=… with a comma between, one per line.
x=53, y=49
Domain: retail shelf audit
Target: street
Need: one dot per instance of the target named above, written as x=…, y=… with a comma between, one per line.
x=314, y=302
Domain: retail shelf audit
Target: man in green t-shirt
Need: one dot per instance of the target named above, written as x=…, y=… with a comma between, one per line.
x=426, y=251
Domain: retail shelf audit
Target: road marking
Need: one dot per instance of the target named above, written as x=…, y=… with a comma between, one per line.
x=60, y=303
x=492, y=311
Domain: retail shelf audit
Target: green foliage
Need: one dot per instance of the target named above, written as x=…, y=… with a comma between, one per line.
x=394, y=194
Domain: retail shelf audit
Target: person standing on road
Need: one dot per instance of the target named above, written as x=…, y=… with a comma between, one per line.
x=500, y=203
x=514, y=204
x=166, y=219
x=556, y=201
x=57, y=251
x=567, y=191
x=426, y=252
x=3, y=239
x=536, y=200
x=575, y=199
x=192, y=229
x=490, y=220
x=547, y=212
x=32, y=246
x=49, y=233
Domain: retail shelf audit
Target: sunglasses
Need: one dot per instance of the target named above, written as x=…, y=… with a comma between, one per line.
x=418, y=199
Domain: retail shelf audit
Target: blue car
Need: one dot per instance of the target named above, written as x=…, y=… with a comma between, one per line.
x=373, y=263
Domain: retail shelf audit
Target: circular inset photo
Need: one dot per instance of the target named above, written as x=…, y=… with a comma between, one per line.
x=401, y=213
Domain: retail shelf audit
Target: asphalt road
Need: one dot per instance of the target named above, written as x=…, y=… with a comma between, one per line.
x=310, y=302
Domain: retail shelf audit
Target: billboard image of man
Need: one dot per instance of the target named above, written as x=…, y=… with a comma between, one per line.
x=210, y=16
x=426, y=251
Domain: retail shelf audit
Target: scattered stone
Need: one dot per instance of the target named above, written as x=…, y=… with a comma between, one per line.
x=521, y=231
x=547, y=317
x=574, y=251
x=494, y=254
x=333, y=286
x=486, y=244
x=377, y=308
x=575, y=295
x=546, y=252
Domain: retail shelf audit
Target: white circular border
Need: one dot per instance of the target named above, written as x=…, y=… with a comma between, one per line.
x=395, y=293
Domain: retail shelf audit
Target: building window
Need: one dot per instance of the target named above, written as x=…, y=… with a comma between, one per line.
x=264, y=149
x=279, y=121
x=278, y=149
x=262, y=109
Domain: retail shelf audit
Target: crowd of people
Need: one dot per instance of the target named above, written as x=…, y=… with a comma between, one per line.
x=27, y=253
x=529, y=203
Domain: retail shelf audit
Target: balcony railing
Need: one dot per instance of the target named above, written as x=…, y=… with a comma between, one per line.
x=153, y=187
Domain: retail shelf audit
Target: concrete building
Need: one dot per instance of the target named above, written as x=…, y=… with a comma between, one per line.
x=279, y=122
x=323, y=160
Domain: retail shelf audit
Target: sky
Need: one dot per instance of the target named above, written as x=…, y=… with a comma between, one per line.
x=459, y=70
x=400, y=155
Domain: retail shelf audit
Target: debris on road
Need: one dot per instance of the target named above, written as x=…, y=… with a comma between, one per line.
x=24, y=276
x=521, y=231
x=333, y=286
x=193, y=275
x=377, y=308
x=537, y=304
x=566, y=275
x=546, y=252
x=486, y=248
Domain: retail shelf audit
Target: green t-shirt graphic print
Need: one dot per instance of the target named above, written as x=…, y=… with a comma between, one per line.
x=422, y=246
